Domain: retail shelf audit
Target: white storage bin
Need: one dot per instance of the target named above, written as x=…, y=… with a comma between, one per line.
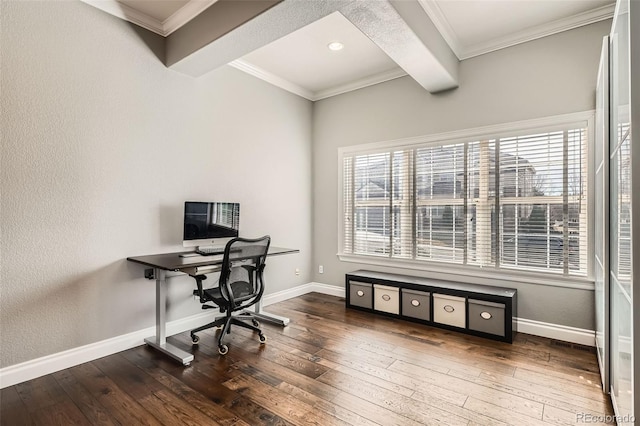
x=386, y=299
x=449, y=310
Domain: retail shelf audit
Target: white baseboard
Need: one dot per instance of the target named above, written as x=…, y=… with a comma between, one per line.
x=312, y=287
x=283, y=295
x=557, y=331
x=28, y=370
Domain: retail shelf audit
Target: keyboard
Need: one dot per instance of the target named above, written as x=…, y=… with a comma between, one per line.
x=209, y=251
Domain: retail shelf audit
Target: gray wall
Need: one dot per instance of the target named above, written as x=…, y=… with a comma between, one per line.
x=545, y=77
x=101, y=145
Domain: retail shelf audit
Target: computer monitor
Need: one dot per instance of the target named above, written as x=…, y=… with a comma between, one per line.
x=210, y=223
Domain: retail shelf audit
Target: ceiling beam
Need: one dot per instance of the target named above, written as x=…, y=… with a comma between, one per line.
x=202, y=45
x=404, y=31
x=229, y=29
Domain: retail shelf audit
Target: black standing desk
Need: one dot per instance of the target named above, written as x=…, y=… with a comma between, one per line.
x=193, y=264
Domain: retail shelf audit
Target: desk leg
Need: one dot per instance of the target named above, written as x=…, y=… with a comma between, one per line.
x=159, y=341
x=269, y=317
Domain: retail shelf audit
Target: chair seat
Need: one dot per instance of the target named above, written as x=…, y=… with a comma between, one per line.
x=241, y=291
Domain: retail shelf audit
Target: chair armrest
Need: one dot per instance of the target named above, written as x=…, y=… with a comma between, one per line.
x=199, y=291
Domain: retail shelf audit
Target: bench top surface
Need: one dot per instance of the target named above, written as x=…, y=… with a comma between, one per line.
x=421, y=281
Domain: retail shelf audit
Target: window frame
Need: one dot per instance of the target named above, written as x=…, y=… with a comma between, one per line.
x=583, y=119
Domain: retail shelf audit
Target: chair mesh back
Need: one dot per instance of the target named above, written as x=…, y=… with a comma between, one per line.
x=242, y=268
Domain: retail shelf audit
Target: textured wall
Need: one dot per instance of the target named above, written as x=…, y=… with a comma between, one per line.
x=101, y=145
x=550, y=76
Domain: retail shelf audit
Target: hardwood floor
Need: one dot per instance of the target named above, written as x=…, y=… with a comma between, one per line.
x=330, y=366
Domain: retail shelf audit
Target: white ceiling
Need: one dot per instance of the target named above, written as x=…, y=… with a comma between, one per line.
x=301, y=62
x=474, y=27
x=303, y=58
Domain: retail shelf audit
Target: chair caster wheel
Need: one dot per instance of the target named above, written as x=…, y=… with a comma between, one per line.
x=255, y=323
x=195, y=339
x=223, y=349
x=262, y=338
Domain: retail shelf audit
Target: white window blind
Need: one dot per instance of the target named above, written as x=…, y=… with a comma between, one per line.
x=440, y=207
x=514, y=202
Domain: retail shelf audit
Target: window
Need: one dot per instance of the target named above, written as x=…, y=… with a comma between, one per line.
x=513, y=200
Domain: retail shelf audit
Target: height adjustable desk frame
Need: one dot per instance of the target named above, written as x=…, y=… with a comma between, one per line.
x=159, y=264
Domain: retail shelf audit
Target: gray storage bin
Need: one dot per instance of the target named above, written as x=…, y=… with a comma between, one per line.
x=416, y=304
x=361, y=294
x=487, y=317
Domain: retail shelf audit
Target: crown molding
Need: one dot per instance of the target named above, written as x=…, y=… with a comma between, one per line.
x=272, y=78
x=282, y=83
x=185, y=14
x=554, y=27
x=127, y=13
x=164, y=28
x=359, y=84
x=465, y=52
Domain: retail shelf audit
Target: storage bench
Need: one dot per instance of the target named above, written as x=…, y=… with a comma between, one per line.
x=485, y=311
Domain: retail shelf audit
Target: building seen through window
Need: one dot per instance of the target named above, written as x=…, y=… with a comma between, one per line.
x=511, y=202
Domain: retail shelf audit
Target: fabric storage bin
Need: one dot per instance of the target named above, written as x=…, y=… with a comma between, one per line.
x=449, y=310
x=487, y=317
x=386, y=299
x=416, y=304
x=360, y=294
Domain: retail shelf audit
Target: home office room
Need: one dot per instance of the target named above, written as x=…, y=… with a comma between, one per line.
x=318, y=212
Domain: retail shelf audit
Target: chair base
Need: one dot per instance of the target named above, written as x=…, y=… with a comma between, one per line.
x=226, y=322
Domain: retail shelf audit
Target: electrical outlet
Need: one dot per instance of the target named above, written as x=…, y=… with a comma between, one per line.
x=297, y=271
x=321, y=269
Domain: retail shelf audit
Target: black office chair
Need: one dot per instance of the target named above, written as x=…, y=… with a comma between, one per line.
x=240, y=286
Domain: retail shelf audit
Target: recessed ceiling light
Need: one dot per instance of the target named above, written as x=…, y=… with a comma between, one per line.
x=335, y=46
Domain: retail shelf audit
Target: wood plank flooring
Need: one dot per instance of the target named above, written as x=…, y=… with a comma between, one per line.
x=330, y=366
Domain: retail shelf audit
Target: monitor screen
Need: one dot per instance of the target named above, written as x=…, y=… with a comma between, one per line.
x=210, y=223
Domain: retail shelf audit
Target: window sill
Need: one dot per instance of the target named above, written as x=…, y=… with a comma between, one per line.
x=504, y=277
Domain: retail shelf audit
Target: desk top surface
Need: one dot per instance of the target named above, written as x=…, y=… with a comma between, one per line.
x=175, y=262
